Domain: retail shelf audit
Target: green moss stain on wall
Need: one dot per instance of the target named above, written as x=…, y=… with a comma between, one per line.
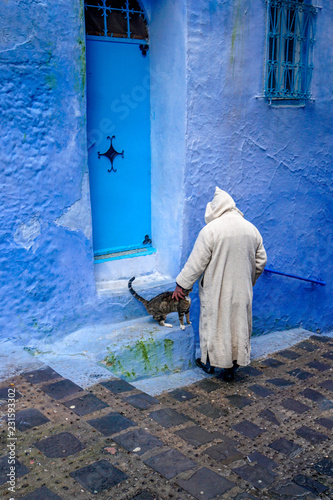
x=80, y=80
x=145, y=349
x=147, y=355
x=235, y=31
x=51, y=81
x=168, y=349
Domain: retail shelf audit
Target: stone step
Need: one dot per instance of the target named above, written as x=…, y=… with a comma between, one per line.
x=117, y=304
x=145, y=349
x=133, y=350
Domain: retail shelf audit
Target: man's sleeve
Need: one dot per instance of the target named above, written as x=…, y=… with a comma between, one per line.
x=197, y=261
x=261, y=259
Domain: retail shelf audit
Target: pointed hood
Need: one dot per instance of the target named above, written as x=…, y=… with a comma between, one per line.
x=221, y=203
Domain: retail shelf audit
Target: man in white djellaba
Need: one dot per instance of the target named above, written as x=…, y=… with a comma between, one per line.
x=228, y=257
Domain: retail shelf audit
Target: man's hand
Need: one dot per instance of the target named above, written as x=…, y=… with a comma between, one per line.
x=178, y=293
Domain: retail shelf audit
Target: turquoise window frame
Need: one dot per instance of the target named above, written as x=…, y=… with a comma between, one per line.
x=290, y=40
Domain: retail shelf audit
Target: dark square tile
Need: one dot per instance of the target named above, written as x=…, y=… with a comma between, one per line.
x=270, y=416
x=327, y=384
x=296, y=406
x=272, y=363
x=42, y=493
x=61, y=389
x=144, y=495
x=321, y=338
x=85, y=404
x=98, y=476
x=167, y=417
x=211, y=411
x=224, y=453
x=286, y=447
x=111, y=423
x=311, y=435
x=208, y=385
x=138, y=441
x=289, y=491
x=239, y=401
x=328, y=355
x=141, y=401
x=313, y=395
x=260, y=390
x=280, y=382
x=258, y=476
x=239, y=377
x=196, y=436
x=325, y=404
x=170, y=463
x=310, y=484
x=248, y=429
x=9, y=393
x=262, y=460
x=250, y=370
x=181, y=395
x=117, y=386
x=289, y=354
x=325, y=422
x=300, y=374
x=60, y=445
x=307, y=346
x=205, y=484
x=26, y=419
x=317, y=365
x=20, y=469
x=41, y=375
x=324, y=466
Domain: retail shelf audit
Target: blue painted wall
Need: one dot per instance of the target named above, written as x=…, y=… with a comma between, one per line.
x=46, y=267
x=276, y=163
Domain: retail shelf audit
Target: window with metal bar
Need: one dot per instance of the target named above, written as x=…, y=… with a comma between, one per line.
x=289, y=56
x=115, y=18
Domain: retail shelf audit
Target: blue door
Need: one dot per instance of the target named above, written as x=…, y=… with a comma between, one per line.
x=118, y=125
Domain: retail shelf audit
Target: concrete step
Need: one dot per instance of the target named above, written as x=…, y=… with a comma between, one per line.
x=145, y=349
x=132, y=350
x=116, y=302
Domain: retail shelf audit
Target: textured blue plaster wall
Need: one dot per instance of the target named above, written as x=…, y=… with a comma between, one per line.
x=46, y=256
x=168, y=31
x=276, y=163
x=46, y=250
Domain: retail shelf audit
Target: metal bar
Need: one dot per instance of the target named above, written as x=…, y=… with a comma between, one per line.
x=272, y=271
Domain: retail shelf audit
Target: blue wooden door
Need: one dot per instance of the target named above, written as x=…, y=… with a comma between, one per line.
x=118, y=109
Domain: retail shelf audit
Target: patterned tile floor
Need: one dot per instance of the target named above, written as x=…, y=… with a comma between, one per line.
x=267, y=435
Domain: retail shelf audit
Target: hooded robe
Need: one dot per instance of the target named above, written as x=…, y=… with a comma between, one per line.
x=229, y=256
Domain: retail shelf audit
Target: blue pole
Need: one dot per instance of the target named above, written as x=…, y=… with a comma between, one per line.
x=272, y=271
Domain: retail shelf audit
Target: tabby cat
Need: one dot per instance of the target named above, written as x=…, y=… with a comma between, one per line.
x=163, y=304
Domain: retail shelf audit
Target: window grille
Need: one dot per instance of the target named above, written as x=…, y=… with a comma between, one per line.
x=115, y=18
x=290, y=41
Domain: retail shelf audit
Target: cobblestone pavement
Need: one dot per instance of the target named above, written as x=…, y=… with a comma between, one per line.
x=265, y=435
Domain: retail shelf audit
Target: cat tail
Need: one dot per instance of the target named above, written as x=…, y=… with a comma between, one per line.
x=136, y=295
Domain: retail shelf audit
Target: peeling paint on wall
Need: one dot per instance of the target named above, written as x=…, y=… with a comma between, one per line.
x=78, y=217
x=27, y=234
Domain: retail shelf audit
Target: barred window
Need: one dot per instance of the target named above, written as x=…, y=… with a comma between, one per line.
x=289, y=57
x=115, y=18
